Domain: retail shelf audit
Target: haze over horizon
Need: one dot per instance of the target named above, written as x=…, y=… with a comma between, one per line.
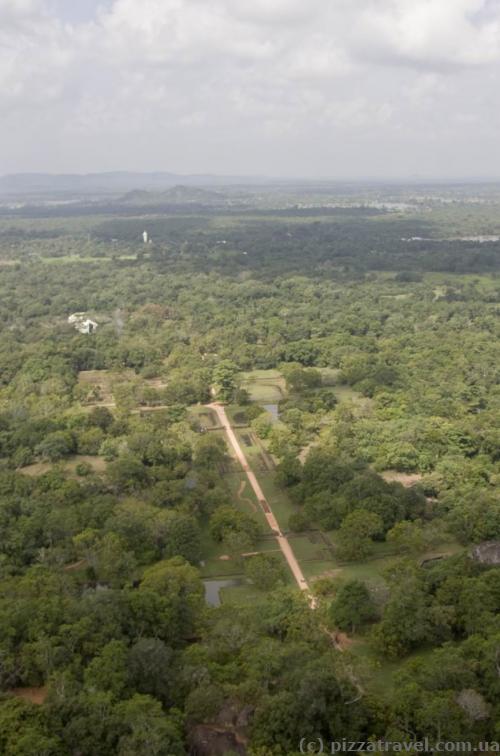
x=387, y=89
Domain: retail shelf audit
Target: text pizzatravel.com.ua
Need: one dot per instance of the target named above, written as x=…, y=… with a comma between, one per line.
x=318, y=745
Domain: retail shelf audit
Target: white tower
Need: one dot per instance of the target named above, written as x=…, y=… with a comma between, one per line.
x=145, y=237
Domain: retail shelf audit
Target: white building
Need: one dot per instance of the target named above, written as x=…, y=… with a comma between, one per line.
x=82, y=323
x=145, y=237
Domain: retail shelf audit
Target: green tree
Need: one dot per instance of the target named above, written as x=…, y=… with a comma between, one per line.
x=90, y=441
x=354, y=539
x=405, y=622
x=265, y=571
x=210, y=451
x=177, y=534
x=24, y=731
x=127, y=473
x=108, y=671
x=57, y=445
x=353, y=606
x=226, y=520
x=151, y=668
x=299, y=522
x=180, y=587
x=148, y=731
x=224, y=379
x=100, y=417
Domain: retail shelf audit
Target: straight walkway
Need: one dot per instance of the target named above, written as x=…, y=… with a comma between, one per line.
x=268, y=513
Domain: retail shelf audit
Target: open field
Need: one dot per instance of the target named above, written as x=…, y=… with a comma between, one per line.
x=241, y=595
x=319, y=569
x=311, y=546
x=98, y=465
x=264, y=386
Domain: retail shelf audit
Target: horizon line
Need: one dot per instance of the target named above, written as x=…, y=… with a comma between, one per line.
x=411, y=179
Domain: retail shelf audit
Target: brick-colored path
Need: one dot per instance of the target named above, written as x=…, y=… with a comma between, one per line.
x=268, y=513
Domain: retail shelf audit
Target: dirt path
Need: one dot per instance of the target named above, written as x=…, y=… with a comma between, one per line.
x=246, y=499
x=268, y=513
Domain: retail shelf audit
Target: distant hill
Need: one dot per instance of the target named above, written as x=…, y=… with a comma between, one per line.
x=180, y=194
x=112, y=183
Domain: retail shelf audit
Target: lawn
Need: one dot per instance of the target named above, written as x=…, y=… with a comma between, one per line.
x=98, y=465
x=244, y=498
x=370, y=572
x=276, y=497
x=213, y=566
x=378, y=673
x=242, y=595
x=309, y=547
x=317, y=569
x=264, y=386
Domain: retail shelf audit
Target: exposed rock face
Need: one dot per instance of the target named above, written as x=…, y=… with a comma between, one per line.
x=226, y=735
x=487, y=552
x=473, y=704
x=208, y=740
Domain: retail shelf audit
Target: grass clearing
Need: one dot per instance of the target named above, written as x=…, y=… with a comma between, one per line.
x=98, y=465
x=264, y=386
x=244, y=497
x=36, y=469
x=212, y=565
x=378, y=672
x=310, y=547
x=277, y=498
x=319, y=569
x=242, y=595
x=370, y=572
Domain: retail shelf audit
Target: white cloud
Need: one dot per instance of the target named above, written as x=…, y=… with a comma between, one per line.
x=169, y=83
x=430, y=34
x=14, y=14
x=273, y=11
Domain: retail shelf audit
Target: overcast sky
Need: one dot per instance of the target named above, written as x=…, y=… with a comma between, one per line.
x=313, y=88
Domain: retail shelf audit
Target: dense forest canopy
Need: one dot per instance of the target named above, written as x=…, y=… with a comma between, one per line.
x=355, y=346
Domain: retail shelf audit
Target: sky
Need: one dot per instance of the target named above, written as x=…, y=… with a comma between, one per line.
x=340, y=89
